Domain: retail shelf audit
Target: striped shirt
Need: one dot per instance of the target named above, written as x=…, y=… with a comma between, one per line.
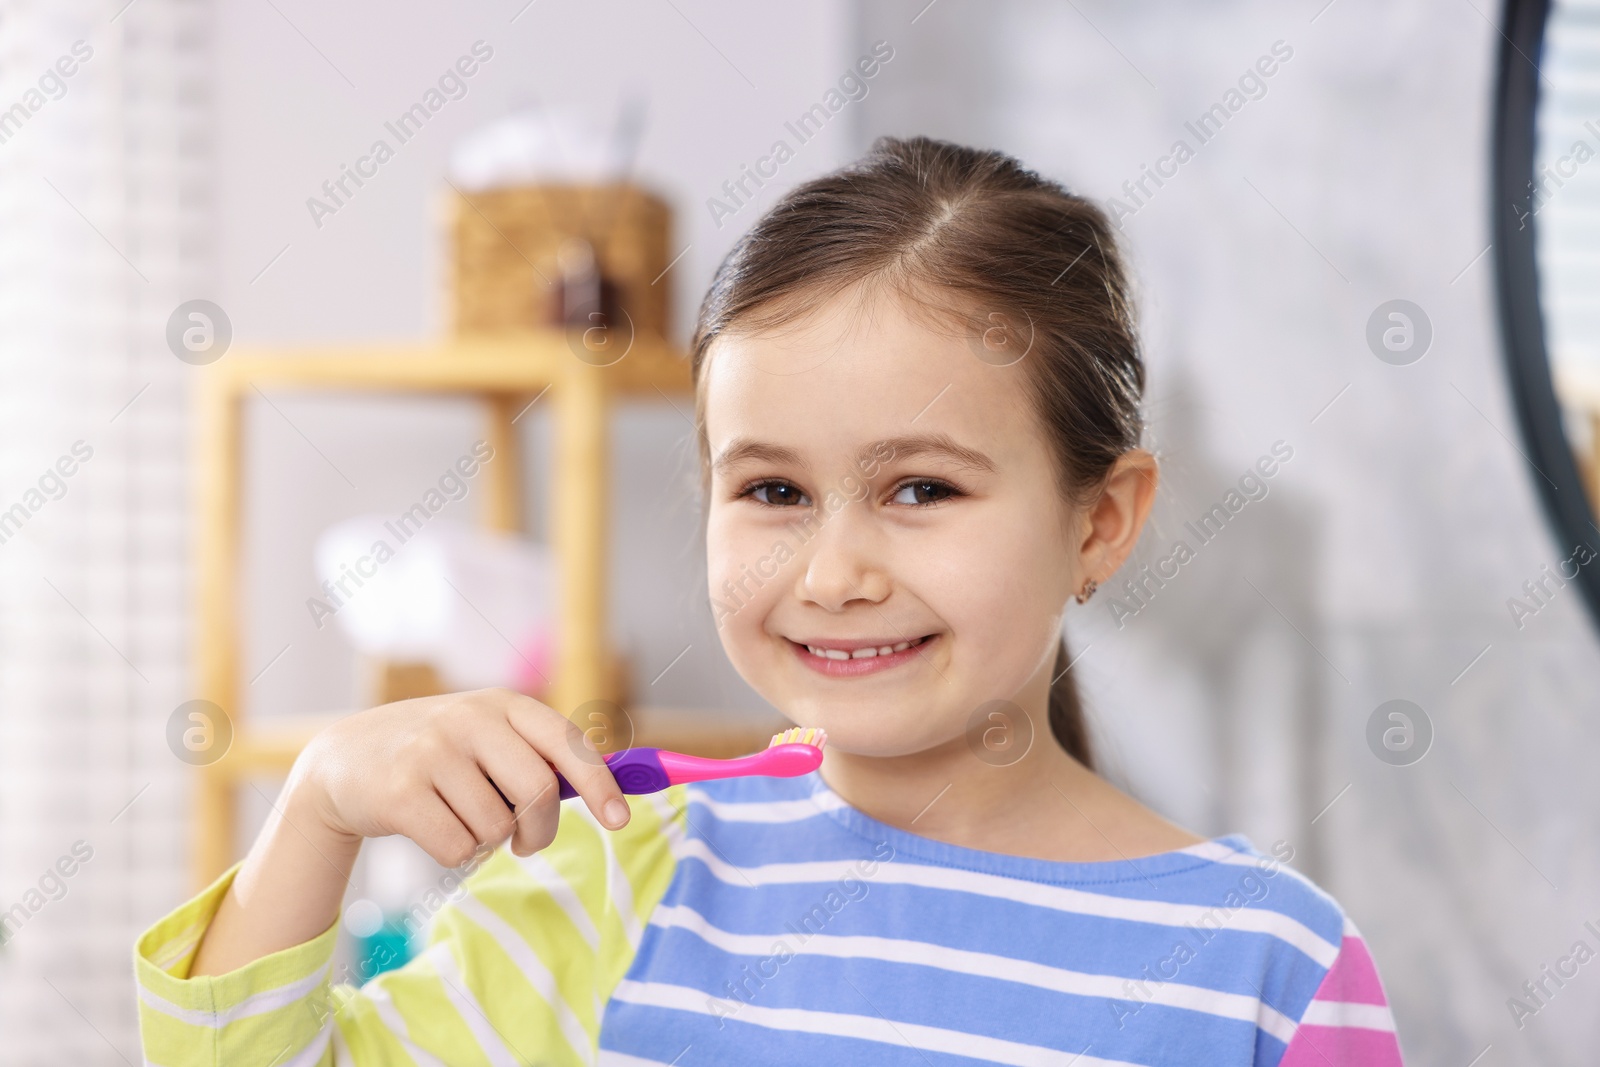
x=765, y=920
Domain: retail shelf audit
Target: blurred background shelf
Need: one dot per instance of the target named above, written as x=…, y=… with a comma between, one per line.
x=556, y=301
x=506, y=372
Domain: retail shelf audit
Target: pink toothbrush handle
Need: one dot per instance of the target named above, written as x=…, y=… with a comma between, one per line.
x=650, y=770
x=779, y=761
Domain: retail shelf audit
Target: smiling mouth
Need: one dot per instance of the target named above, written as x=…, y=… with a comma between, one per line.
x=865, y=652
x=854, y=658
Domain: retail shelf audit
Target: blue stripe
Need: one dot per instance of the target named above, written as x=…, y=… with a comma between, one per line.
x=1002, y=927
x=909, y=993
x=861, y=902
x=650, y=1031
x=1172, y=877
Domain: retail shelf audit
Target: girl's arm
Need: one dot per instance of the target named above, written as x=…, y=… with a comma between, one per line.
x=433, y=769
x=522, y=957
x=247, y=962
x=288, y=890
x=1348, y=1022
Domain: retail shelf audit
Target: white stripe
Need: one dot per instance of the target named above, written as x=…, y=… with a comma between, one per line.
x=256, y=1004
x=533, y=969
x=1315, y=890
x=1219, y=853
x=561, y=891
x=772, y=811
x=622, y=1059
x=862, y=1027
x=312, y=1053
x=307, y=1056
x=619, y=891
x=667, y=813
x=1346, y=1013
x=1269, y=867
x=341, y=1050
x=983, y=964
x=675, y=834
x=1036, y=894
x=180, y=944
x=389, y=1015
x=467, y=1006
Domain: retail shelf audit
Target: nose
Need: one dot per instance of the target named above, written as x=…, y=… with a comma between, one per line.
x=843, y=565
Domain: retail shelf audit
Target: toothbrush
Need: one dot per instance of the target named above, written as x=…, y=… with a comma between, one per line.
x=789, y=754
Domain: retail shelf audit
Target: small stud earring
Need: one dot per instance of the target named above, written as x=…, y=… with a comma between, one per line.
x=1088, y=591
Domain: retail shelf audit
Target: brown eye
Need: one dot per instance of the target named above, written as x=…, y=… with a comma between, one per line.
x=779, y=495
x=924, y=491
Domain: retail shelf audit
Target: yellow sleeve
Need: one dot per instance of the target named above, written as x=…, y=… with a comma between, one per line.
x=522, y=957
x=270, y=1011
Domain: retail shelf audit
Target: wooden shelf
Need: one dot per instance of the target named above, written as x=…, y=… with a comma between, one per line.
x=504, y=371
x=523, y=361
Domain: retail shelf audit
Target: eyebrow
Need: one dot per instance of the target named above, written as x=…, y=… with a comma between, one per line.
x=745, y=450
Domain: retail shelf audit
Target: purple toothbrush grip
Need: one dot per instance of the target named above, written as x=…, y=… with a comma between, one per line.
x=637, y=770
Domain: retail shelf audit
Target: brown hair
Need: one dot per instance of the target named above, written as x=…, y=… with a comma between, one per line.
x=970, y=233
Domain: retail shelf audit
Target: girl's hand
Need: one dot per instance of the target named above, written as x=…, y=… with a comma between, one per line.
x=429, y=769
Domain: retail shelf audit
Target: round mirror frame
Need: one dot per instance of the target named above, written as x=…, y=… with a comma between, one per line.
x=1513, y=144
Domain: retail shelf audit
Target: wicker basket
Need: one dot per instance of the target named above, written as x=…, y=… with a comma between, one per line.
x=505, y=243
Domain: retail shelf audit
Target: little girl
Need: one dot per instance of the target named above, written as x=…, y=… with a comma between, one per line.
x=917, y=396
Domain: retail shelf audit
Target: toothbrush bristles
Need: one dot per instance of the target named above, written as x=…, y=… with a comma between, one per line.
x=800, y=735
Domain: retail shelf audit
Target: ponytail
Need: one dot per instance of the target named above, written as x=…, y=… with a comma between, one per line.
x=1067, y=721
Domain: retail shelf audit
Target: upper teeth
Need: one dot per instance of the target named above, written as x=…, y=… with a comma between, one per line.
x=860, y=653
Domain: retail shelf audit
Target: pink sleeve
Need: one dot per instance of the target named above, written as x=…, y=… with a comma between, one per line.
x=1348, y=1022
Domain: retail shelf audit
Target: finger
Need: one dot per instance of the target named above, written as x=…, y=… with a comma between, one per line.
x=526, y=781
x=559, y=741
x=464, y=786
x=431, y=823
x=536, y=824
x=513, y=766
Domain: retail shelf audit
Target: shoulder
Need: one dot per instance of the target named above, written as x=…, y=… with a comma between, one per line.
x=1272, y=866
x=1259, y=890
x=1328, y=985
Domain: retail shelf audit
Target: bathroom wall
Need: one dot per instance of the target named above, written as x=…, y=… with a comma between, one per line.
x=1236, y=695
x=298, y=99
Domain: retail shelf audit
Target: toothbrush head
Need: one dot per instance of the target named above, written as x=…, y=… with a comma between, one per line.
x=789, y=755
x=800, y=735
x=792, y=752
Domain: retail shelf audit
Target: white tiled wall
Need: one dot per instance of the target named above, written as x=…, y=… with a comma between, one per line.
x=102, y=196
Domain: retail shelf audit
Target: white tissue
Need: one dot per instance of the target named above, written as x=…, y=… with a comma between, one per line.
x=476, y=604
x=544, y=145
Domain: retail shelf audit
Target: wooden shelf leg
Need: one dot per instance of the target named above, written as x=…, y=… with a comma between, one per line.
x=579, y=536
x=219, y=475
x=503, y=499
x=215, y=807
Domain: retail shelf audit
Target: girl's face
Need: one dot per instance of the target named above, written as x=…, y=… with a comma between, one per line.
x=877, y=485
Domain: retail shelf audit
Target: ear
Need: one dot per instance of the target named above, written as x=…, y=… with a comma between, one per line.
x=1112, y=523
